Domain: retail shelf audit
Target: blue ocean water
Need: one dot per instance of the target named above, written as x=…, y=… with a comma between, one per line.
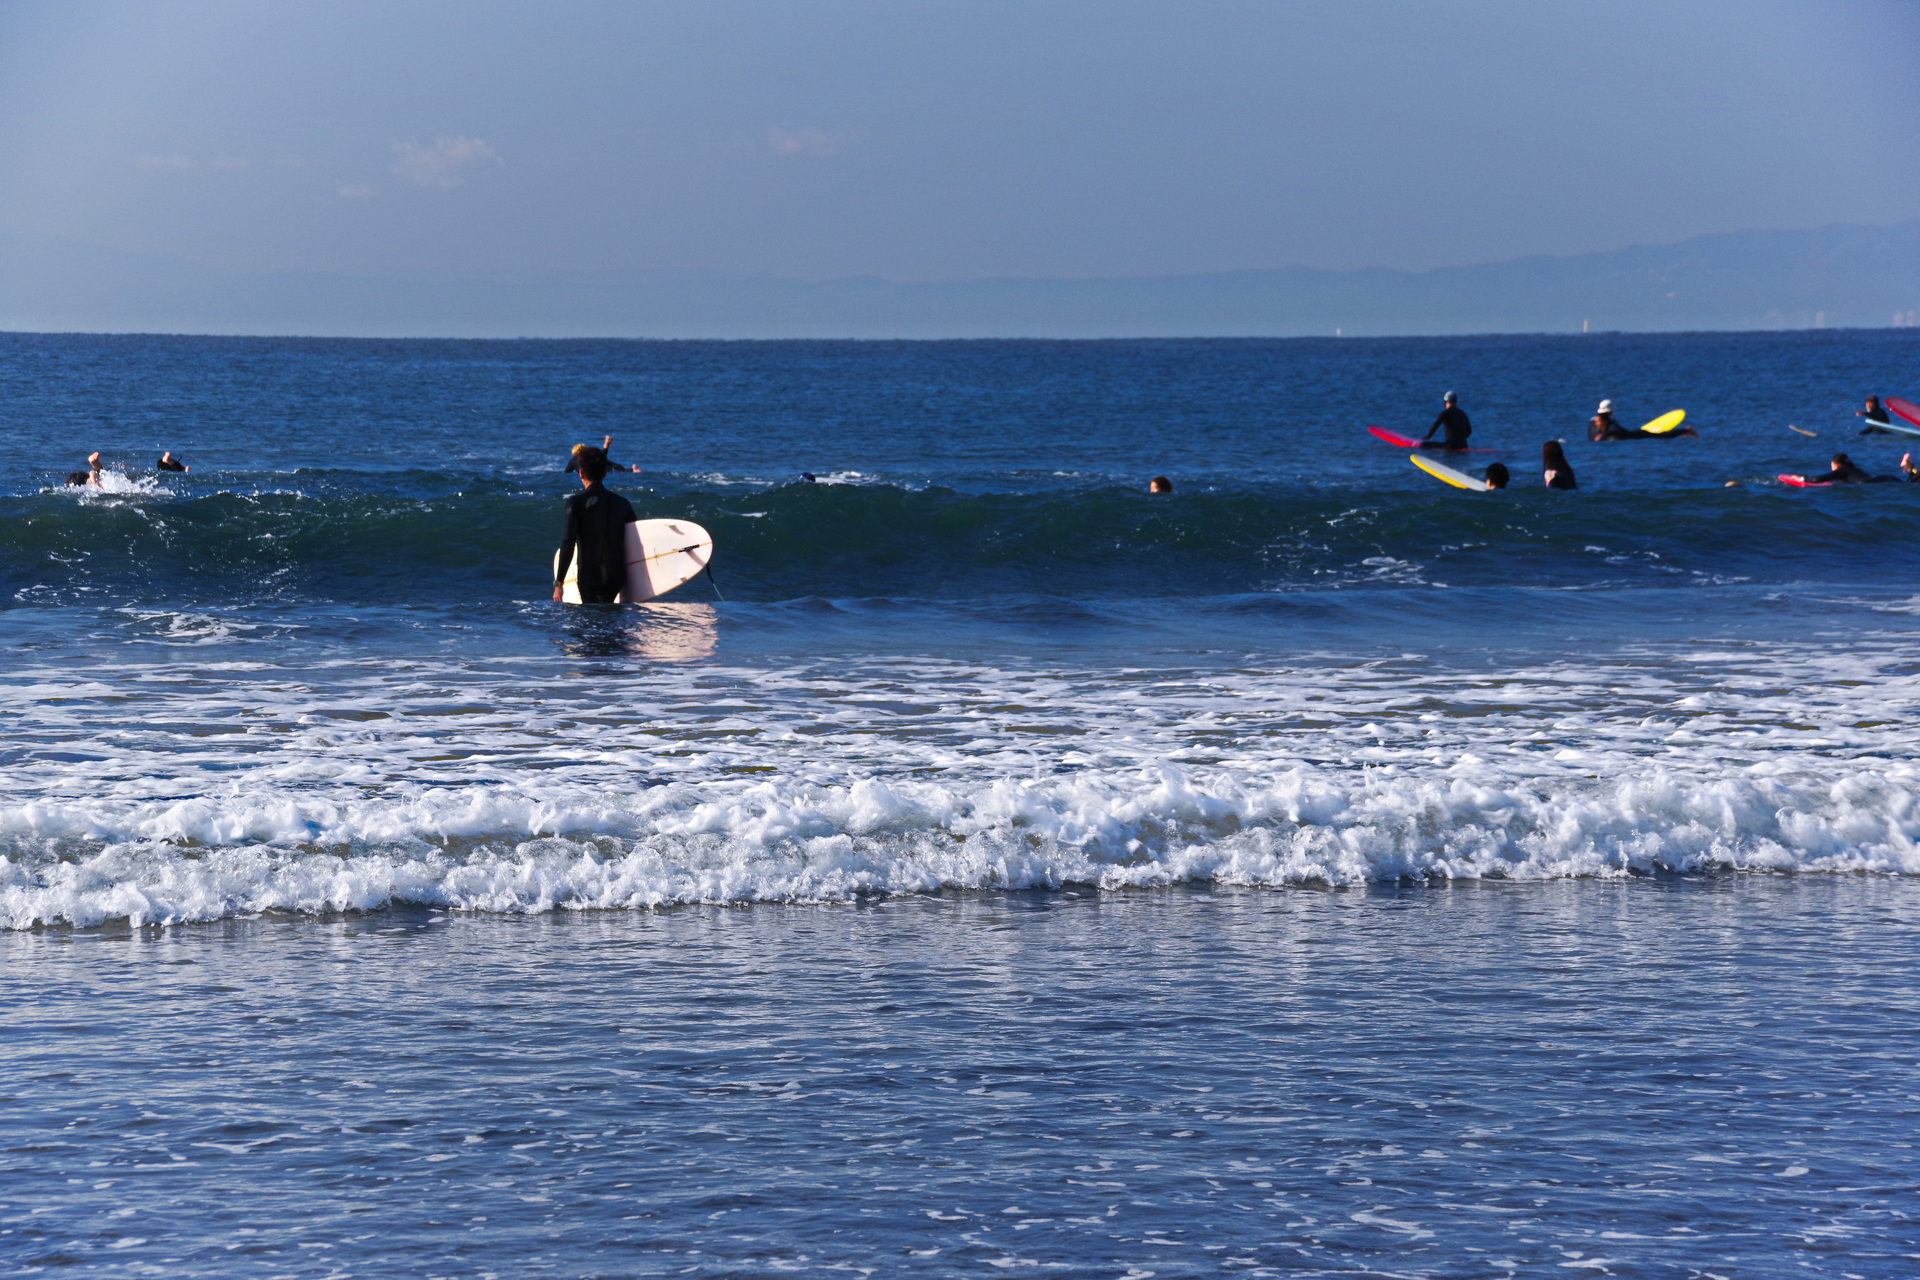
x=1317, y=870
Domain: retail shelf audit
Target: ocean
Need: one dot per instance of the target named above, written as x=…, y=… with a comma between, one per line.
x=993, y=868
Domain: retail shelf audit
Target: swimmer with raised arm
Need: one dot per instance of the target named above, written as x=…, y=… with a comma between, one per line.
x=90, y=478
x=606, y=443
x=170, y=463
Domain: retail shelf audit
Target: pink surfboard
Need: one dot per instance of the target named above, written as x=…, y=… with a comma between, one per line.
x=1799, y=482
x=1905, y=408
x=1399, y=441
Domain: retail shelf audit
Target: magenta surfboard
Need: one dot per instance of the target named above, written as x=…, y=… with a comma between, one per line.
x=1399, y=441
x=1800, y=482
x=1905, y=408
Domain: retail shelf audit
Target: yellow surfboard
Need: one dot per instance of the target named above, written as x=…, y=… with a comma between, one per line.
x=1458, y=479
x=1665, y=422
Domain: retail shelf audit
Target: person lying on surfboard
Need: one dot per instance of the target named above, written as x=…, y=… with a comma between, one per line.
x=1876, y=415
x=1454, y=420
x=1603, y=426
x=596, y=531
x=1846, y=471
x=573, y=461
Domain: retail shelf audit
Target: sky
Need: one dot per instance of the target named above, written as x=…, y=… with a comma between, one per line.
x=924, y=140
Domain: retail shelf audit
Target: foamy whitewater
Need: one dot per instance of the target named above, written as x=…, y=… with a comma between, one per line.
x=1317, y=871
x=514, y=785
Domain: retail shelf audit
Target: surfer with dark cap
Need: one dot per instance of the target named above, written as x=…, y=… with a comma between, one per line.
x=595, y=532
x=1453, y=420
x=1876, y=415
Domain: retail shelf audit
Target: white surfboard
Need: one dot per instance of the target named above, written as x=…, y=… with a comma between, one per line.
x=661, y=554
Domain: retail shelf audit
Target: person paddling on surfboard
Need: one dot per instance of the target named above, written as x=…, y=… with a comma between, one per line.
x=596, y=531
x=1876, y=415
x=1454, y=420
x=1603, y=426
x=1847, y=471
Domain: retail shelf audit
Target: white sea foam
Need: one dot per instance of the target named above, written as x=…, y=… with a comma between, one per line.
x=189, y=793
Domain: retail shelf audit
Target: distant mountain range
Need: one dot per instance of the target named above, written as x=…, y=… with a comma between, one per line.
x=1836, y=277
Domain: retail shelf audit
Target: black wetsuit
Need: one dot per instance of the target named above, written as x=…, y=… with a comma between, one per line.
x=1852, y=473
x=596, y=528
x=1876, y=419
x=175, y=465
x=1454, y=419
x=78, y=478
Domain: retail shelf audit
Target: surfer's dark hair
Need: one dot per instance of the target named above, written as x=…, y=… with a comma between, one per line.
x=1552, y=454
x=1497, y=476
x=593, y=462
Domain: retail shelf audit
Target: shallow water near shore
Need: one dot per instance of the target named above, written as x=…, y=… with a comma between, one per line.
x=1671, y=1076
x=1317, y=871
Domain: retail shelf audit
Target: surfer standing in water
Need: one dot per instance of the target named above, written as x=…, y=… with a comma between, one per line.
x=1559, y=472
x=596, y=531
x=1876, y=415
x=1454, y=420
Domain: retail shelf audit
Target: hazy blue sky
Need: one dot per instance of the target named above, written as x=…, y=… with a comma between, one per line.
x=935, y=140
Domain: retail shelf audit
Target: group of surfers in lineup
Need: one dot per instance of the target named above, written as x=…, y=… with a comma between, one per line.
x=1454, y=427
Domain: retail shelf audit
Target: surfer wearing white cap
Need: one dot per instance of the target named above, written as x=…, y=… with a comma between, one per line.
x=1453, y=419
x=1602, y=426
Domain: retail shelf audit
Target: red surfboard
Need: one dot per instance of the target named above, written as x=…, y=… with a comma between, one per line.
x=1399, y=441
x=1905, y=408
x=1800, y=482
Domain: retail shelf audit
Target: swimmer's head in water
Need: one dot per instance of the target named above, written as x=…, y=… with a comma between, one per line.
x=1841, y=460
x=593, y=462
x=1497, y=477
x=1159, y=484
